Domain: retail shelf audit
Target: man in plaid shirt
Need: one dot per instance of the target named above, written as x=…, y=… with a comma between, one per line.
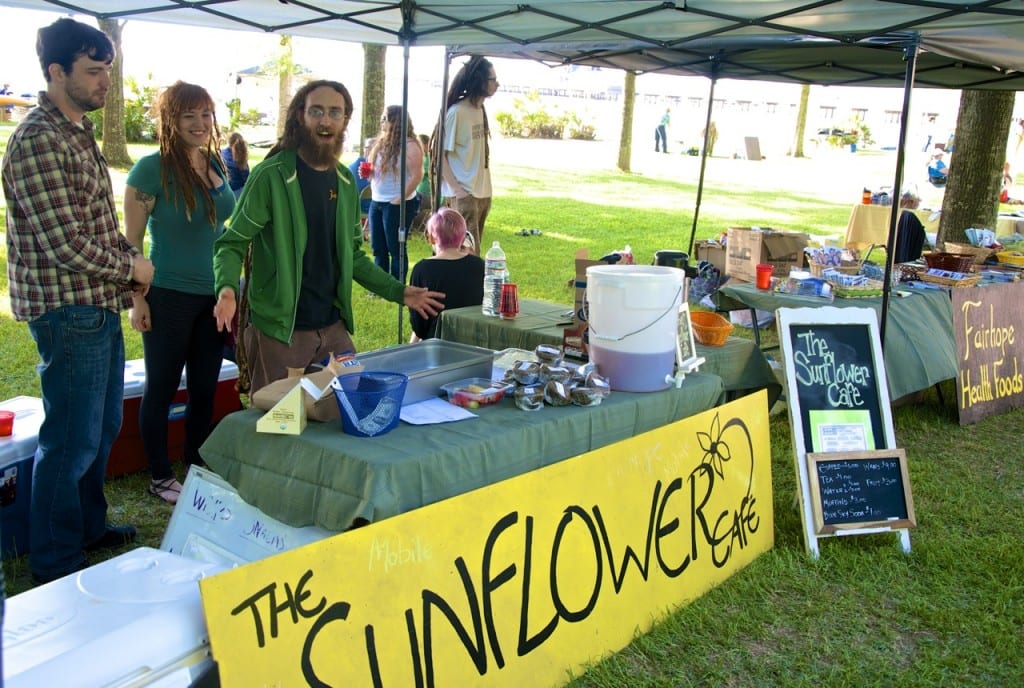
x=71, y=272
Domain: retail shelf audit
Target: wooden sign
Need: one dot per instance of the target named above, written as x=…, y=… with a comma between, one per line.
x=864, y=489
x=838, y=399
x=990, y=354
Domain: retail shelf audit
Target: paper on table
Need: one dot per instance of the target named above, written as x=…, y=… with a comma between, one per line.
x=432, y=411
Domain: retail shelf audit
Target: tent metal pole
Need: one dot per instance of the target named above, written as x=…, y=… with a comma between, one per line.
x=403, y=253
x=908, y=87
x=436, y=152
x=703, y=157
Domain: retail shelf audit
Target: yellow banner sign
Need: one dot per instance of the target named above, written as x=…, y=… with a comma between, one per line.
x=516, y=584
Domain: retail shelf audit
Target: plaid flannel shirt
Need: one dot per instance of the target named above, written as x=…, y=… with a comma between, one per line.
x=63, y=243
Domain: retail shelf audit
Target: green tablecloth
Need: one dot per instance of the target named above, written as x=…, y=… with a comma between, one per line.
x=740, y=364
x=329, y=479
x=919, y=346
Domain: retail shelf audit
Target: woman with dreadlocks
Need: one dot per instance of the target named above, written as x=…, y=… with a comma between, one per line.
x=181, y=195
x=388, y=192
x=465, y=164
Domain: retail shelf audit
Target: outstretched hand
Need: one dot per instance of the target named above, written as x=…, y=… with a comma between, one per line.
x=425, y=302
x=224, y=310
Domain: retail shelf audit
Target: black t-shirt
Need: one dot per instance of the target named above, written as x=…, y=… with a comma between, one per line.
x=461, y=281
x=320, y=276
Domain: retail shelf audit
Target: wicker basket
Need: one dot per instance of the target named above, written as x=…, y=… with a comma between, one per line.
x=709, y=328
x=949, y=281
x=1015, y=258
x=980, y=253
x=847, y=269
x=953, y=262
x=870, y=288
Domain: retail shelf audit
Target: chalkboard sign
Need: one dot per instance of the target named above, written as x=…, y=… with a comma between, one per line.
x=835, y=371
x=838, y=398
x=860, y=490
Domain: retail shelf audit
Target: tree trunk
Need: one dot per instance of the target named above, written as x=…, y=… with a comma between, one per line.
x=285, y=71
x=373, y=92
x=626, y=136
x=975, y=172
x=115, y=144
x=801, y=121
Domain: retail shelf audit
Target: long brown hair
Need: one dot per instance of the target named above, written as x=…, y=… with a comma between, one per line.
x=239, y=150
x=174, y=159
x=388, y=144
x=293, y=123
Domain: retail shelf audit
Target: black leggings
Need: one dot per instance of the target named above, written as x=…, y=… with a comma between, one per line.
x=184, y=336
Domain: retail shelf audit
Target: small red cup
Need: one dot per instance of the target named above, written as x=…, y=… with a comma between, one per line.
x=365, y=169
x=6, y=423
x=764, y=276
x=509, y=306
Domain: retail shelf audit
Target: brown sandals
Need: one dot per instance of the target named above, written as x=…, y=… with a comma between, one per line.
x=167, y=489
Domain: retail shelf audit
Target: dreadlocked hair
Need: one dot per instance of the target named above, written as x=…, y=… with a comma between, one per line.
x=387, y=147
x=175, y=165
x=471, y=82
x=293, y=122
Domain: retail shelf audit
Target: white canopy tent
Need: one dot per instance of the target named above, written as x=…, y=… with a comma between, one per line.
x=937, y=43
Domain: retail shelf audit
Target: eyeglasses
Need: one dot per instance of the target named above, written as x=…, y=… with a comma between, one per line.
x=317, y=112
x=492, y=78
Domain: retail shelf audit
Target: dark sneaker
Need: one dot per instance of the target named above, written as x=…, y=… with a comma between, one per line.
x=115, y=536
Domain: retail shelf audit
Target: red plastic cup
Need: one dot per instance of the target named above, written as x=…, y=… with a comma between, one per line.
x=6, y=423
x=764, y=276
x=365, y=169
x=509, y=306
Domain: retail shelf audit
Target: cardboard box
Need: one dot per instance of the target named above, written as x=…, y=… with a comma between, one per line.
x=17, y=457
x=133, y=620
x=323, y=408
x=127, y=454
x=711, y=251
x=746, y=247
x=212, y=524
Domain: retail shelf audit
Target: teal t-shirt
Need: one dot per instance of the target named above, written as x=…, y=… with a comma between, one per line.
x=181, y=249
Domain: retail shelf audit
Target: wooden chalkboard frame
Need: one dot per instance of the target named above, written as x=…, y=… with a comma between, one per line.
x=791, y=321
x=905, y=520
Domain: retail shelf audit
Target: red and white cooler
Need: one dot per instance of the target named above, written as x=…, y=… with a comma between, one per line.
x=17, y=458
x=127, y=454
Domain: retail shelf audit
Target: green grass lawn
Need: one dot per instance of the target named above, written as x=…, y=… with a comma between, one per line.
x=951, y=613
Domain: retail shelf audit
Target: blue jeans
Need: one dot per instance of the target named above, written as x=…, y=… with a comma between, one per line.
x=384, y=240
x=82, y=374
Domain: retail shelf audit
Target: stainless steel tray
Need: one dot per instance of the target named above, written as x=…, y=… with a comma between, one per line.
x=430, y=364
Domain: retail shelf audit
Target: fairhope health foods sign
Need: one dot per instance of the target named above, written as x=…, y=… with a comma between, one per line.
x=515, y=584
x=988, y=323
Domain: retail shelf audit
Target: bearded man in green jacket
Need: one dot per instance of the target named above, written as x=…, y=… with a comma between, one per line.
x=299, y=211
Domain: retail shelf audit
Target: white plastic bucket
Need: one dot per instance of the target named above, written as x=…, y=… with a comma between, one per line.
x=633, y=317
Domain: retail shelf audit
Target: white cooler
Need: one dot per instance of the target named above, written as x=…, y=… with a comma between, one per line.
x=212, y=523
x=133, y=620
x=17, y=458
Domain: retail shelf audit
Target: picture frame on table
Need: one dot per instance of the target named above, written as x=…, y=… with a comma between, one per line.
x=686, y=347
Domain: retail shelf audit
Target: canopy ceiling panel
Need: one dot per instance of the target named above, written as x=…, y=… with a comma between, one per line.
x=965, y=43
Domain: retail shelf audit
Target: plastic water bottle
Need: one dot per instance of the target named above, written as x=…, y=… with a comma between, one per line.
x=495, y=275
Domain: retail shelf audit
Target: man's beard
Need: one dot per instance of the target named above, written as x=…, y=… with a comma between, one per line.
x=318, y=152
x=84, y=100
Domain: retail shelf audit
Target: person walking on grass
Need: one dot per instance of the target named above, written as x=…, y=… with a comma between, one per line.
x=300, y=216
x=661, y=132
x=182, y=195
x=71, y=273
x=465, y=150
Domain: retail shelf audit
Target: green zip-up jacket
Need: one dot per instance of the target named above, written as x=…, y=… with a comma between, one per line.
x=270, y=216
